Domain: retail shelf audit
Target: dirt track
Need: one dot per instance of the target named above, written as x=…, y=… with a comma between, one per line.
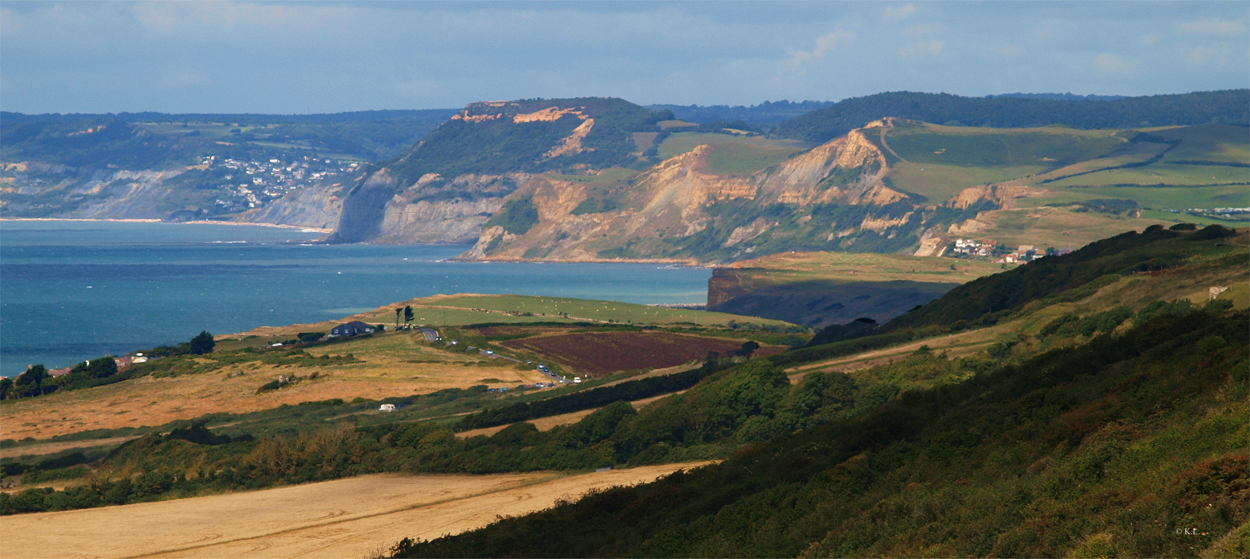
x=349, y=518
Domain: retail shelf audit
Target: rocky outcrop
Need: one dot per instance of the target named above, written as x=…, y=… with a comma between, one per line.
x=318, y=208
x=364, y=208
x=424, y=222
x=1002, y=195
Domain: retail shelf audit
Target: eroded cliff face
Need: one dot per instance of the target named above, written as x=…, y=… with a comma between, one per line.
x=316, y=208
x=448, y=186
x=830, y=197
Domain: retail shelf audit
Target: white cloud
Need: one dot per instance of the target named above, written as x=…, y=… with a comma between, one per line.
x=825, y=44
x=1212, y=28
x=895, y=13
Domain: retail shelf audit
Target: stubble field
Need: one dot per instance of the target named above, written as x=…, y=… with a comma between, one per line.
x=349, y=518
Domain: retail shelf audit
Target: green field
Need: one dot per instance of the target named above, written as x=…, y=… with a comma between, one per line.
x=938, y=183
x=732, y=155
x=1160, y=174
x=550, y=308
x=865, y=267
x=1207, y=142
x=989, y=147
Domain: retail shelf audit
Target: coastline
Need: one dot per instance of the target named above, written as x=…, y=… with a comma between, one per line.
x=196, y=222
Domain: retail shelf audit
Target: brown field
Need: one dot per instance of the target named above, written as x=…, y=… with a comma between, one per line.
x=394, y=365
x=349, y=518
x=600, y=353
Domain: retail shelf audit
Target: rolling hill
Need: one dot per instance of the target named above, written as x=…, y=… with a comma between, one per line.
x=1090, y=403
x=605, y=179
x=1105, y=418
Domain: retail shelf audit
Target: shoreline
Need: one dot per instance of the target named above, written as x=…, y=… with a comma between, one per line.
x=196, y=222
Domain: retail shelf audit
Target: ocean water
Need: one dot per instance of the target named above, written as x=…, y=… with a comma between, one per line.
x=71, y=291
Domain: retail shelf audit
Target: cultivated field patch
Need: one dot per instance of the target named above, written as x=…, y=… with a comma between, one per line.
x=348, y=518
x=600, y=353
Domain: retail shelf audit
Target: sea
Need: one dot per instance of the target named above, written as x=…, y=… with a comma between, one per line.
x=74, y=290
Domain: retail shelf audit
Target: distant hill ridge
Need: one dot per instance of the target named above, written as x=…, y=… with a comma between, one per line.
x=7, y=117
x=1017, y=111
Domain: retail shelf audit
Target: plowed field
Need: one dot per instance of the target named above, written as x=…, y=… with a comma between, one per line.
x=599, y=353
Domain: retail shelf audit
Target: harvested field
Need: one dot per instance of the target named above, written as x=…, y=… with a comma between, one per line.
x=600, y=353
x=347, y=518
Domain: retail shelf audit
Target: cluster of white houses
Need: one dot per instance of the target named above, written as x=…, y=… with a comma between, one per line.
x=989, y=248
x=254, y=183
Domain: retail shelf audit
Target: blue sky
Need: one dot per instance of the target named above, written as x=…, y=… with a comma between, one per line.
x=297, y=57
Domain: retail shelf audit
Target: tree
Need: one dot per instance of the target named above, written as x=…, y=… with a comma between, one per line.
x=747, y=349
x=5, y=384
x=31, y=381
x=397, y=313
x=202, y=343
x=408, y=314
x=103, y=367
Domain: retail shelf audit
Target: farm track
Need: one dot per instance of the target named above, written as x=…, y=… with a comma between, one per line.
x=346, y=518
x=552, y=421
x=956, y=345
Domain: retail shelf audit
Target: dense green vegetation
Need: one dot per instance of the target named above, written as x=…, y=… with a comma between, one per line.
x=1228, y=107
x=517, y=216
x=499, y=145
x=156, y=140
x=766, y=113
x=1112, y=448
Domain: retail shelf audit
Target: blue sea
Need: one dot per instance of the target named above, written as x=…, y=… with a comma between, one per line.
x=73, y=290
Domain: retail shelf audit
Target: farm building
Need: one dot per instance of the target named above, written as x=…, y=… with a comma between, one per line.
x=354, y=328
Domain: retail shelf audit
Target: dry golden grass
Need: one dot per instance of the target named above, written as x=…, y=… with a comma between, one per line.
x=394, y=365
x=1055, y=227
x=348, y=518
x=51, y=448
x=867, y=267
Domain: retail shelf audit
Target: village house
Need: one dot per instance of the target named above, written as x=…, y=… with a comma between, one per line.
x=354, y=328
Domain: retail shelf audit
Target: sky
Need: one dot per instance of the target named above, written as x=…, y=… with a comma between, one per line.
x=323, y=57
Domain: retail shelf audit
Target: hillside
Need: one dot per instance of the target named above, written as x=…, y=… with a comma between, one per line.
x=891, y=186
x=818, y=289
x=1103, y=415
x=446, y=186
x=603, y=179
x=1227, y=107
x=283, y=169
